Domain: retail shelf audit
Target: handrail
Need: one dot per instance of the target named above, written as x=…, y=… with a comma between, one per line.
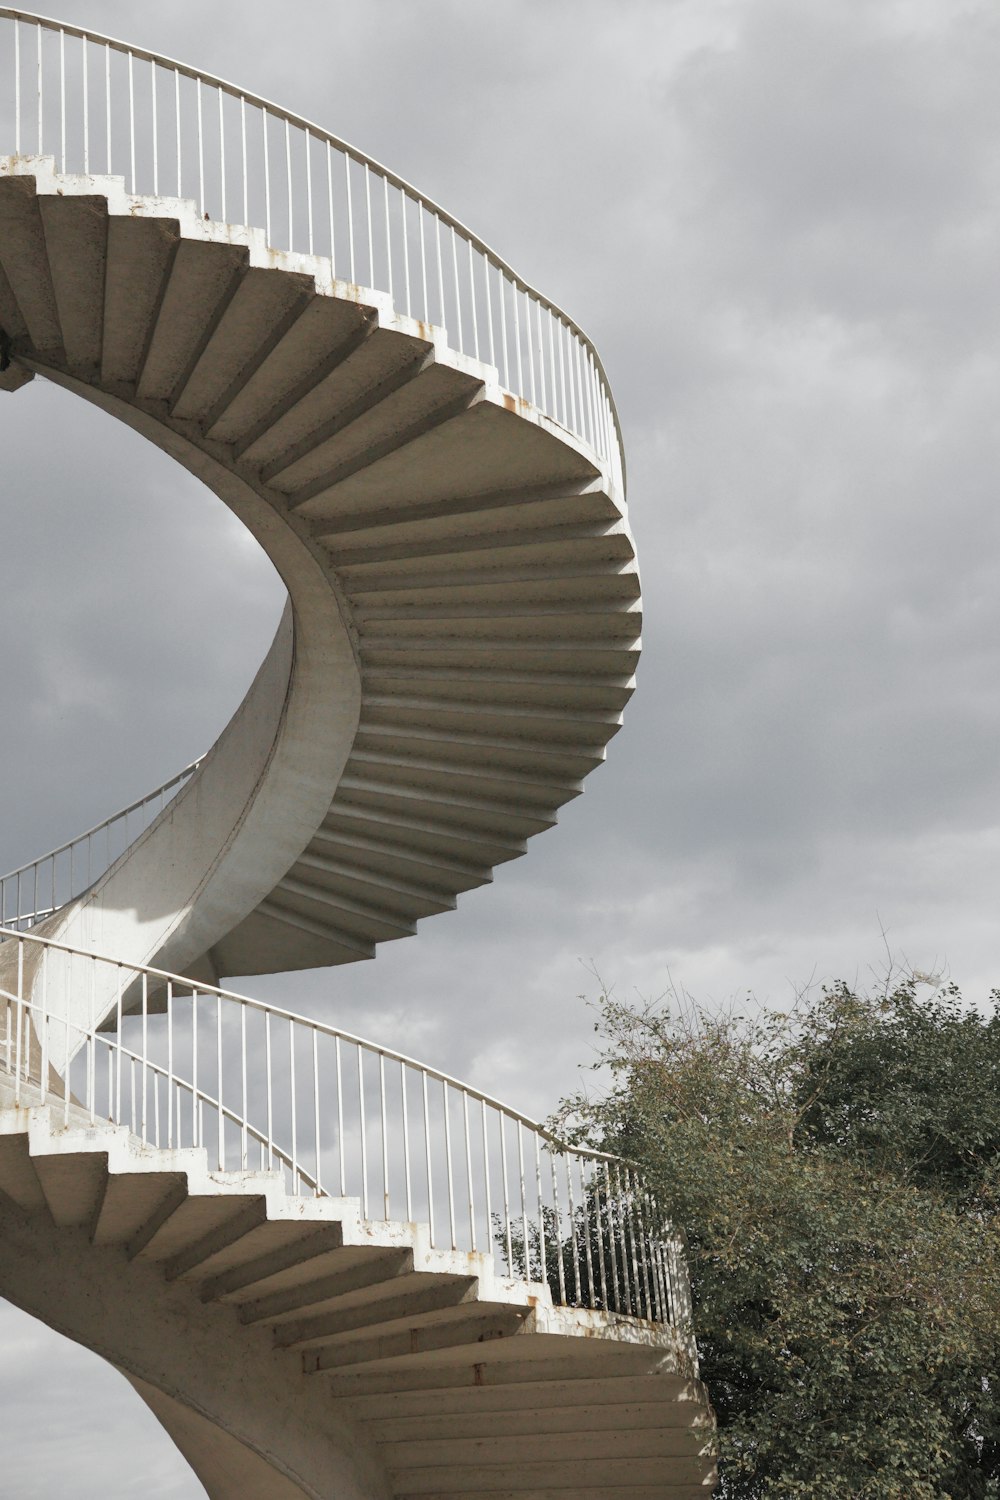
x=344, y=1116
x=570, y=383
x=64, y=880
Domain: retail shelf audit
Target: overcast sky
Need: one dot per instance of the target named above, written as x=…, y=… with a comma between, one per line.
x=779, y=221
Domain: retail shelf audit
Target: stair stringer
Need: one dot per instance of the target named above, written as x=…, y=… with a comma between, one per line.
x=224, y=842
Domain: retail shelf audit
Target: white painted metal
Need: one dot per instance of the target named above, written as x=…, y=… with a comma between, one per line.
x=260, y=1087
x=433, y=462
x=130, y=126
x=34, y=891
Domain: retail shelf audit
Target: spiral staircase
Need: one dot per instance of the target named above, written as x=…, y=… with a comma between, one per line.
x=319, y=1275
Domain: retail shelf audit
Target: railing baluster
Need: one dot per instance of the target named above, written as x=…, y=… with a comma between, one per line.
x=318, y=1173
x=368, y=215
x=486, y=1181
x=635, y=1267
x=543, y=1274
x=156, y=154
x=340, y=1122
x=364, y=1134
x=406, y=248
x=385, y=1137
x=294, y=1107
x=350, y=215
x=388, y=234
x=222, y=159
x=244, y=1106
x=145, y=1047
x=406, y=1142
x=329, y=198
x=219, y=1099
x=427, y=1157
x=447, y=1156
x=270, y=1083
x=468, y=1170
x=170, y=1069
x=309, y=186
x=203, y=213
x=524, y=1203
x=288, y=178
x=177, y=133
x=107, y=105
x=86, y=105
x=506, y=1193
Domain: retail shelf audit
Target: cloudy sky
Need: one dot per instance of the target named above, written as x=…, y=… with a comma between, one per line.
x=779, y=221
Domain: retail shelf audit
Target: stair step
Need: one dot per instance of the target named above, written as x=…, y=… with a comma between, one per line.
x=557, y=655
x=312, y=900
x=370, y=887
x=550, y=700
x=353, y=368
x=304, y=1251
x=525, y=1379
x=603, y=586
x=576, y=544
x=530, y=625
x=385, y=856
x=481, y=1324
x=411, y=397
x=562, y=1474
x=24, y=259
x=417, y=1305
x=202, y=282
x=131, y=1200
x=505, y=1484
x=493, y=1451
x=538, y=1421
x=76, y=237
x=549, y=764
x=140, y=252
x=264, y=306
x=437, y=467
x=342, y=937
x=506, y=786
x=11, y=319
x=382, y=1271
x=422, y=834
x=343, y=526
x=191, y=1224
x=467, y=812
x=73, y=1184
x=556, y=731
x=18, y=1178
x=443, y=419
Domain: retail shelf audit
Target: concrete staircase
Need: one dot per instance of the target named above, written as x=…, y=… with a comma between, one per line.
x=433, y=464
x=482, y=571
x=431, y=1374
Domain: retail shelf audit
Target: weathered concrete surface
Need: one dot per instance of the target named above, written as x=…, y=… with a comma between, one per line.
x=290, y=1347
x=464, y=596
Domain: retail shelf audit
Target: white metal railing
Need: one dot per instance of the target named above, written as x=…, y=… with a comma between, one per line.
x=38, y=889
x=98, y=105
x=257, y=1086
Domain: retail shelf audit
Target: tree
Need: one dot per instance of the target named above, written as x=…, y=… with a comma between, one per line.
x=835, y=1172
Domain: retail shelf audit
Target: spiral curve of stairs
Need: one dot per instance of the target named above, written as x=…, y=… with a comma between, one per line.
x=431, y=458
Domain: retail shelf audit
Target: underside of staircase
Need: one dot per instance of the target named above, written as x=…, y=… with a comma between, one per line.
x=474, y=555
x=410, y=1371
x=429, y=453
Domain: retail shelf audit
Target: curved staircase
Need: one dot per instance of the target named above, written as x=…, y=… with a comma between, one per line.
x=429, y=452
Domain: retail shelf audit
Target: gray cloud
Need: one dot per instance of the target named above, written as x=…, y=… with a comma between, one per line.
x=778, y=219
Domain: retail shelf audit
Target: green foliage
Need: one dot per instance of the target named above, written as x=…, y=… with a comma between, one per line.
x=835, y=1172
